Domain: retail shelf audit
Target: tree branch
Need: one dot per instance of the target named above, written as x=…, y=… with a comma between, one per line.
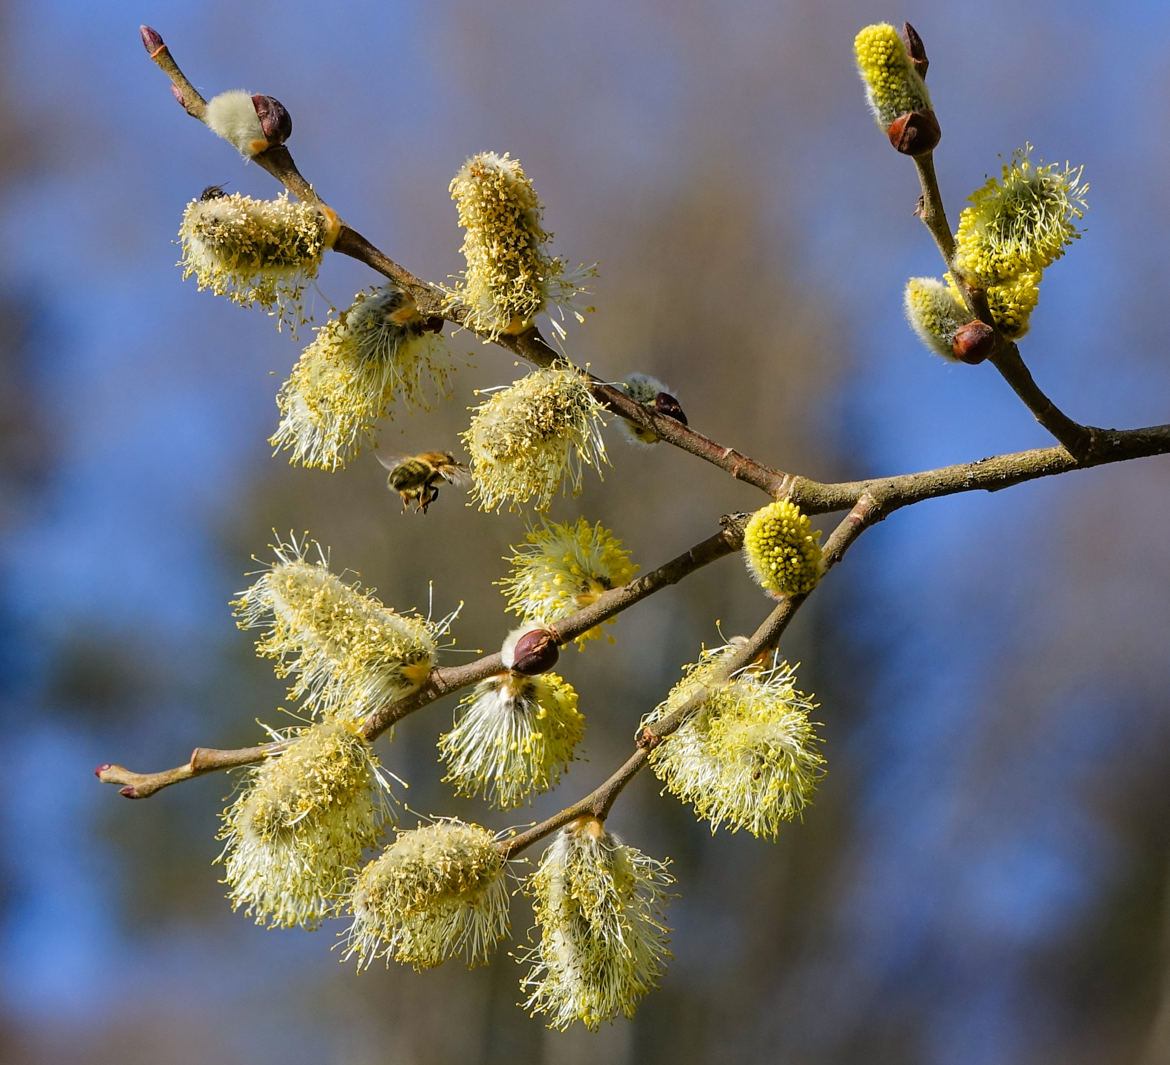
x=430, y=299
x=884, y=496
x=448, y=679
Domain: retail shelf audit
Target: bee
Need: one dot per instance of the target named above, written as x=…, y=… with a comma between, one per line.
x=417, y=477
x=212, y=192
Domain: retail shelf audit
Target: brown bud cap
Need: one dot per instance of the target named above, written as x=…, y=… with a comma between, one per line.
x=434, y=324
x=914, y=133
x=151, y=39
x=275, y=121
x=665, y=403
x=915, y=49
x=973, y=342
x=535, y=652
x=648, y=739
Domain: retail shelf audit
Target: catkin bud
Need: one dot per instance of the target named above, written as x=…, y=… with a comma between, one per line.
x=973, y=343
x=782, y=550
x=936, y=313
x=650, y=392
x=256, y=251
x=437, y=892
x=251, y=123
x=894, y=89
x=530, y=651
x=532, y=438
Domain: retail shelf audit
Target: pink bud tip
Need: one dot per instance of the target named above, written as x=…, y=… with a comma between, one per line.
x=177, y=93
x=151, y=40
x=101, y=769
x=130, y=791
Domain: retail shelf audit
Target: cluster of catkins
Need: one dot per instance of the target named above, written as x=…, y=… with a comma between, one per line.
x=1014, y=226
x=299, y=833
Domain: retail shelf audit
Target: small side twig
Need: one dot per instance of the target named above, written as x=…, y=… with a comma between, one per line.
x=202, y=760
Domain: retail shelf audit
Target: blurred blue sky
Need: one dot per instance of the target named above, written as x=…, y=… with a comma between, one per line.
x=158, y=400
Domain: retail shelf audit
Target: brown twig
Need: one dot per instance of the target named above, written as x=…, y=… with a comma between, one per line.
x=985, y=475
x=202, y=760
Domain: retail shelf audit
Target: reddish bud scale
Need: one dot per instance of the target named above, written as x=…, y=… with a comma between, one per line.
x=535, y=652
x=915, y=133
x=973, y=342
x=665, y=403
x=915, y=49
x=101, y=769
x=275, y=121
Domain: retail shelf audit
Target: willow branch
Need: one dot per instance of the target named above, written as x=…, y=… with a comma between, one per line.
x=884, y=496
x=432, y=303
x=609, y=604
x=600, y=801
x=448, y=679
x=985, y=475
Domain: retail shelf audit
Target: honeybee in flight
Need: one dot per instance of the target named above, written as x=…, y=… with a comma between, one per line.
x=417, y=477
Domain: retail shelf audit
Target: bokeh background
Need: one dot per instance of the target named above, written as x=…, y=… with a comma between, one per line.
x=983, y=880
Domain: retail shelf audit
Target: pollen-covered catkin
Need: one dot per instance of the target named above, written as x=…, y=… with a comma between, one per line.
x=599, y=907
x=533, y=438
x=256, y=251
x=298, y=828
x=350, y=653
x=370, y=357
x=747, y=755
x=511, y=277
x=1021, y=221
x=513, y=737
x=437, y=892
x=562, y=567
